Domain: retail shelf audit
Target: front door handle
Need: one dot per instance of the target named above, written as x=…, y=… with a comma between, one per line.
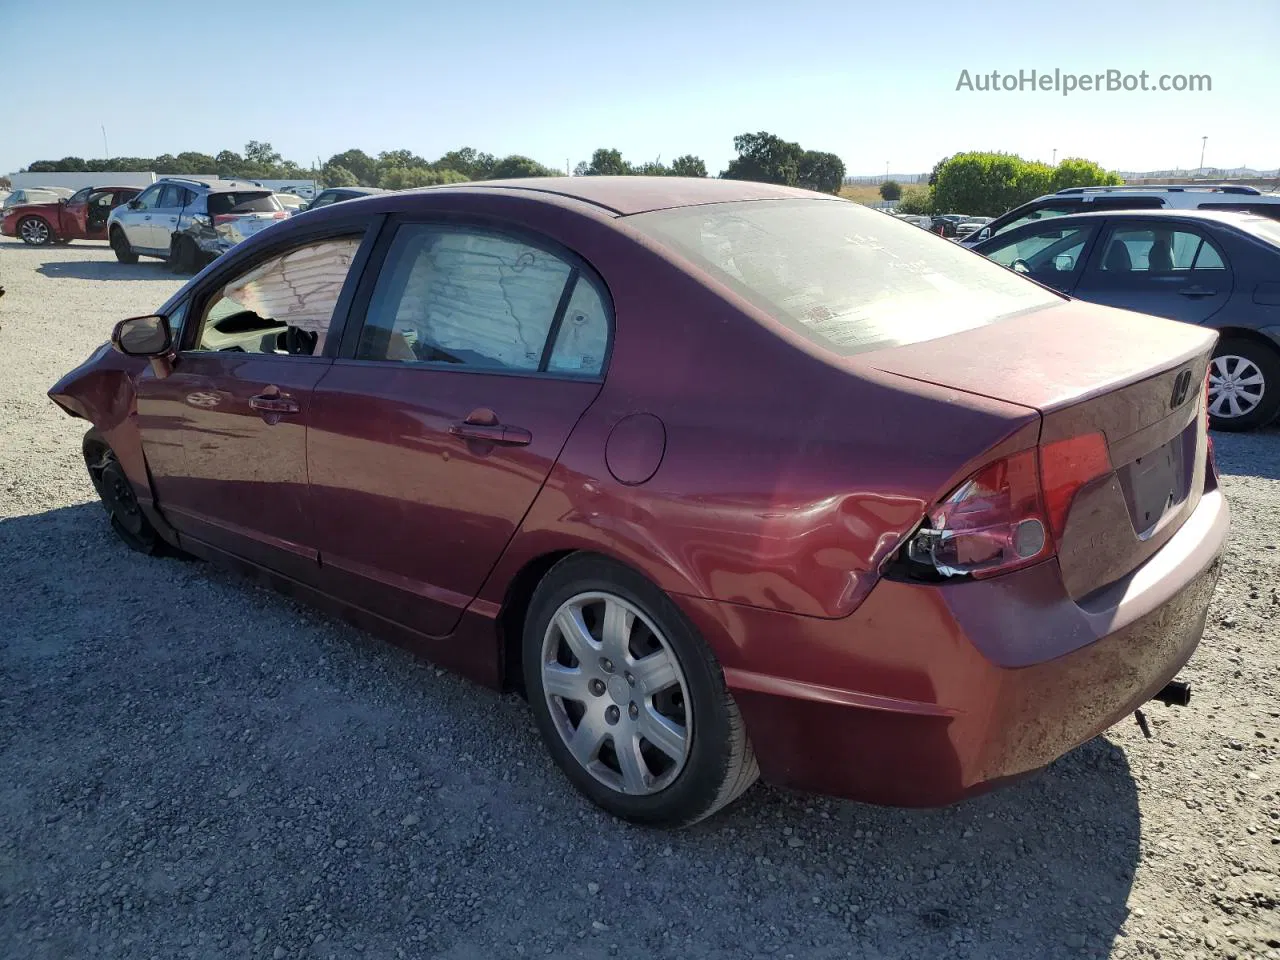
x=268, y=403
x=1197, y=291
x=482, y=424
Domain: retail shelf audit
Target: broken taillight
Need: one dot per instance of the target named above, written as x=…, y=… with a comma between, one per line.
x=1011, y=512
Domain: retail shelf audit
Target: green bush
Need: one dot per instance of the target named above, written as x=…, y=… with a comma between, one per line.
x=891, y=190
x=916, y=200
x=988, y=184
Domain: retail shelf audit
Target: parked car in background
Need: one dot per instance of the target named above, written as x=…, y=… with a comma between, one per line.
x=291, y=202
x=82, y=216
x=338, y=194
x=971, y=225
x=190, y=222
x=1218, y=270
x=715, y=486
x=24, y=195
x=1221, y=197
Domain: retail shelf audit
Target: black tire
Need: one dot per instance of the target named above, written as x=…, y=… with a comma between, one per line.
x=186, y=255
x=718, y=764
x=120, y=244
x=1246, y=359
x=116, y=493
x=36, y=232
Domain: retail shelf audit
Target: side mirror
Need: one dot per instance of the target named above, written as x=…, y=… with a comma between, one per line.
x=142, y=337
x=133, y=204
x=1064, y=263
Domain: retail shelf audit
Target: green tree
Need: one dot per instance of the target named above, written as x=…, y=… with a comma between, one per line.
x=765, y=158
x=519, y=166
x=363, y=166
x=260, y=154
x=229, y=164
x=335, y=175
x=1074, y=172
x=988, y=184
x=469, y=162
x=405, y=178
x=891, y=190
x=192, y=162
x=608, y=163
x=401, y=158
x=650, y=168
x=917, y=200
x=688, y=166
x=819, y=171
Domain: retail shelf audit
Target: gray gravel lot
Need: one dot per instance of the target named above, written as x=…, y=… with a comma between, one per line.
x=191, y=766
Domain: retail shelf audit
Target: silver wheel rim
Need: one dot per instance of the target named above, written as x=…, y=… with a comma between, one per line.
x=616, y=693
x=35, y=231
x=1236, y=386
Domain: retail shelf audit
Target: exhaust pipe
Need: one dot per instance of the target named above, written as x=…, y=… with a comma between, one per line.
x=1175, y=693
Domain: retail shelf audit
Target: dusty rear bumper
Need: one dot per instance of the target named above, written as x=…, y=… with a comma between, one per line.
x=926, y=695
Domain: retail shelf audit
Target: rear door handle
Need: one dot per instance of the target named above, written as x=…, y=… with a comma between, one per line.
x=273, y=404
x=493, y=433
x=482, y=424
x=1197, y=291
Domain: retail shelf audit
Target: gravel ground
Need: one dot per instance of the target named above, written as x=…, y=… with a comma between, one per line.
x=196, y=767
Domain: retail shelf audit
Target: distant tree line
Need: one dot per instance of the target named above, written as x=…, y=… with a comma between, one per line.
x=988, y=184
x=761, y=156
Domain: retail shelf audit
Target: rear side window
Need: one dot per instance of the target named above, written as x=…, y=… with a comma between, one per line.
x=246, y=202
x=469, y=297
x=841, y=275
x=172, y=196
x=1159, y=250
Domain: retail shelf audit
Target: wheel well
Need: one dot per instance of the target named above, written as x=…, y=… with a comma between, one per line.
x=1245, y=333
x=515, y=607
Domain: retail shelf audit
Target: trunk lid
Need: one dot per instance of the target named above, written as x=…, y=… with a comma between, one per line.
x=1137, y=380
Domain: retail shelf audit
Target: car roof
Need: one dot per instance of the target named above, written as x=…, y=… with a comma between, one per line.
x=1229, y=217
x=624, y=196
x=214, y=186
x=369, y=190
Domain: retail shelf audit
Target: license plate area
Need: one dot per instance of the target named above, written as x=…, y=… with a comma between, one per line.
x=1157, y=483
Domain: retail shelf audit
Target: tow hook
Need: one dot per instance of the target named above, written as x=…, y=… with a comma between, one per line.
x=1175, y=693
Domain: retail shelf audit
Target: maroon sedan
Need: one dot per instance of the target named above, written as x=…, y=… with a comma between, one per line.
x=82, y=216
x=731, y=479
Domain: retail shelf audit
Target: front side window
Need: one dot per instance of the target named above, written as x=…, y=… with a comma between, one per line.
x=841, y=275
x=147, y=199
x=1041, y=213
x=80, y=196
x=284, y=305
x=1158, y=250
x=323, y=200
x=474, y=298
x=1044, y=253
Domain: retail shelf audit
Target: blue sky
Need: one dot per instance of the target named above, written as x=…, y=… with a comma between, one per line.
x=872, y=83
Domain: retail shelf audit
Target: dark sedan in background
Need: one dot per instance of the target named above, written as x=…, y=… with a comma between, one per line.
x=1218, y=270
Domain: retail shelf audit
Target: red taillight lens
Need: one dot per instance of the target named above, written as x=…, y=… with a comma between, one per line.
x=279, y=215
x=223, y=218
x=1065, y=467
x=1011, y=512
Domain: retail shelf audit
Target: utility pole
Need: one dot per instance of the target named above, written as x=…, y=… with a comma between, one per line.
x=1054, y=161
x=886, y=170
x=1203, y=141
x=105, y=148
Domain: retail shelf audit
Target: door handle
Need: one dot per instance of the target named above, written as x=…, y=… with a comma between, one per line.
x=147, y=217
x=273, y=404
x=1197, y=291
x=493, y=433
x=482, y=424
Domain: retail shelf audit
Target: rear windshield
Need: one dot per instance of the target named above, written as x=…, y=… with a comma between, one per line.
x=248, y=201
x=846, y=277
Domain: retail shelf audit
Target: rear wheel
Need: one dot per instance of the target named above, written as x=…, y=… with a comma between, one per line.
x=186, y=255
x=35, y=231
x=116, y=493
x=120, y=244
x=630, y=701
x=1244, y=385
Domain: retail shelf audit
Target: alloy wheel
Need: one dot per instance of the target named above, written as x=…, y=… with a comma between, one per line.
x=34, y=231
x=1236, y=386
x=616, y=693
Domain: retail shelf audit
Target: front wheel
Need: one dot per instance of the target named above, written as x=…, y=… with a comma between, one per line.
x=35, y=231
x=120, y=245
x=1244, y=385
x=116, y=493
x=630, y=701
